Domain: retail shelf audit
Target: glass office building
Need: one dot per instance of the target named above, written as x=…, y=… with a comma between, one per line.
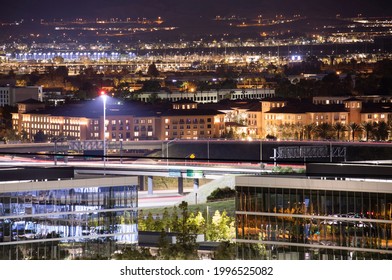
x=87, y=218
x=302, y=218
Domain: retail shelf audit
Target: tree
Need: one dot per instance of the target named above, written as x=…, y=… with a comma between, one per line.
x=186, y=237
x=152, y=70
x=368, y=127
x=354, y=127
x=40, y=137
x=196, y=221
x=185, y=247
x=339, y=127
x=309, y=130
x=225, y=251
x=221, y=227
x=381, y=130
x=8, y=135
x=151, y=86
x=61, y=71
x=323, y=130
x=149, y=223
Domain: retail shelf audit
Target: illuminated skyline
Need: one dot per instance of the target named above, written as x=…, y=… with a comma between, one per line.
x=183, y=10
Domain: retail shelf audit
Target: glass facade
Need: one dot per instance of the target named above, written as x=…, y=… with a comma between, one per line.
x=294, y=223
x=67, y=223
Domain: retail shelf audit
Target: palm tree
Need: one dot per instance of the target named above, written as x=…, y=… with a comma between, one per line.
x=389, y=128
x=308, y=130
x=368, y=127
x=381, y=131
x=339, y=127
x=323, y=130
x=354, y=127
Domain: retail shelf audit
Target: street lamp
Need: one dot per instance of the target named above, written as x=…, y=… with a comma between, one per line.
x=104, y=96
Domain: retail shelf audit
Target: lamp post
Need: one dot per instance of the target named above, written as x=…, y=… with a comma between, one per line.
x=104, y=96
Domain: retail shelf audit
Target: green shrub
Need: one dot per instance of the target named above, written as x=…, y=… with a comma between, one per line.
x=221, y=193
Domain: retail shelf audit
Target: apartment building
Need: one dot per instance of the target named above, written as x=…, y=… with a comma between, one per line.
x=11, y=95
x=123, y=122
x=188, y=119
x=279, y=114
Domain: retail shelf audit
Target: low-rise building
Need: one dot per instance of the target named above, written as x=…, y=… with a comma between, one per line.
x=211, y=96
x=281, y=217
x=11, y=95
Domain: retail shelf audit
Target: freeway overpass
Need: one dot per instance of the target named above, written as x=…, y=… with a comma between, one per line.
x=216, y=150
x=148, y=169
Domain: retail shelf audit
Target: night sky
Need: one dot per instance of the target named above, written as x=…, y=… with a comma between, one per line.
x=182, y=10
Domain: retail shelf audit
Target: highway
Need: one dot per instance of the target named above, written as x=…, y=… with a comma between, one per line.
x=214, y=150
x=148, y=168
x=158, y=198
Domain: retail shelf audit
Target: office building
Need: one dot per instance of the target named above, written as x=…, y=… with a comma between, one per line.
x=309, y=218
x=58, y=219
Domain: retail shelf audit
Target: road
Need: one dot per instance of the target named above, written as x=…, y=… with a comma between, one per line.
x=160, y=198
